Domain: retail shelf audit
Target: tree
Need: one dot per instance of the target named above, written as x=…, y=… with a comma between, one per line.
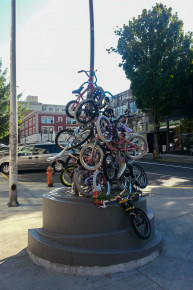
x=157, y=58
x=4, y=104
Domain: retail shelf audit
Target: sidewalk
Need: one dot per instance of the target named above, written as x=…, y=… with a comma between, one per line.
x=173, y=210
x=184, y=159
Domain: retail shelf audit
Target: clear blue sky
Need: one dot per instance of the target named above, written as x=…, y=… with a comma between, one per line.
x=53, y=43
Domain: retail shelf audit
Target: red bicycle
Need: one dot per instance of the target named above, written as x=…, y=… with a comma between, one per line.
x=93, y=91
x=134, y=146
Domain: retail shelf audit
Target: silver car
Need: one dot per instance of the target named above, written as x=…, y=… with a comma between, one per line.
x=34, y=156
x=4, y=150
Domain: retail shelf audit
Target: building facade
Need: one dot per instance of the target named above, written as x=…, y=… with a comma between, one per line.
x=43, y=121
x=176, y=131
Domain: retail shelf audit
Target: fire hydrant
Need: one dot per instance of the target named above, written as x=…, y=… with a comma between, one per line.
x=49, y=174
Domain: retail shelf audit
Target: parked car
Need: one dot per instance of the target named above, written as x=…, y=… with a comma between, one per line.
x=4, y=150
x=34, y=156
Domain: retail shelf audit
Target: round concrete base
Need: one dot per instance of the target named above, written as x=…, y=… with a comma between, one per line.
x=79, y=238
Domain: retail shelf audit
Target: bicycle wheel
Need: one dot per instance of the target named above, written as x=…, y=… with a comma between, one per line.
x=80, y=138
x=83, y=180
x=110, y=168
x=139, y=174
x=137, y=148
x=62, y=139
x=100, y=183
x=104, y=131
x=97, y=95
x=70, y=108
x=140, y=223
x=91, y=156
x=86, y=111
x=67, y=175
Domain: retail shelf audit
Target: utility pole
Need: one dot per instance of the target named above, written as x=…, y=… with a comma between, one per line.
x=91, y=38
x=13, y=123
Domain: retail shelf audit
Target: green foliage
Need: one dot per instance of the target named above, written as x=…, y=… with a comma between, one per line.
x=157, y=58
x=4, y=104
x=185, y=126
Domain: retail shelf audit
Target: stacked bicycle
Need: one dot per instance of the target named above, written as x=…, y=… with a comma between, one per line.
x=107, y=149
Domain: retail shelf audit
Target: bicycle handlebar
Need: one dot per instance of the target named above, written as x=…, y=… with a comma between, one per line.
x=57, y=156
x=125, y=116
x=52, y=158
x=87, y=72
x=106, y=92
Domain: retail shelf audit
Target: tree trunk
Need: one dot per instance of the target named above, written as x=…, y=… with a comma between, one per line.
x=156, y=144
x=156, y=134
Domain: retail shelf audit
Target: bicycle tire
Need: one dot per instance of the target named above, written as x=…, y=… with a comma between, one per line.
x=70, y=113
x=142, y=180
x=109, y=167
x=66, y=176
x=86, y=111
x=100, y=183
x=62, y=138
x=81, y=138
x=82, y=182
x=104, y=130
x=97, y=95
x=140, y=223
x=97, y=160
x=141, y=150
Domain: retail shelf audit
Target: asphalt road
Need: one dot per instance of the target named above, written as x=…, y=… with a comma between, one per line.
x=168, y=174
x=158, y=173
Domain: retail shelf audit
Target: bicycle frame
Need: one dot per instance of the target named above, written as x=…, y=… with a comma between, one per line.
x=118, y=148
x=89, y=88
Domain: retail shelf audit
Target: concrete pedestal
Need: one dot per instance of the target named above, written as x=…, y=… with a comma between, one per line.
x=79, y=238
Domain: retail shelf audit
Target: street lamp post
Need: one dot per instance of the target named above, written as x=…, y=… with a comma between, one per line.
x=13, y=124
x=91, y=38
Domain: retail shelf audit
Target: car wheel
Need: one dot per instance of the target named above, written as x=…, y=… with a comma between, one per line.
x=5, y=168
x=58, y=166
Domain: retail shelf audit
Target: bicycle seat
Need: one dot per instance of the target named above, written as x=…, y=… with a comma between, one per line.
x=78, y=91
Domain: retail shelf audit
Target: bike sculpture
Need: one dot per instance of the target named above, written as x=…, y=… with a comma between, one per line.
x=107, y=149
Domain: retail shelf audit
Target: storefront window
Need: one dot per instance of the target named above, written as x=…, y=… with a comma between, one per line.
x=181, y=136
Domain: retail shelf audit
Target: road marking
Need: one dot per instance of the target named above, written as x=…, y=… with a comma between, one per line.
x=4, y=175
x=150, y=187
x=154, y=163
x=176, y=187
x=180, y=177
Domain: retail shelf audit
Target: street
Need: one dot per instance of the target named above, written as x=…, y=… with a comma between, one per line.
x=158, y=173
x=168, y=173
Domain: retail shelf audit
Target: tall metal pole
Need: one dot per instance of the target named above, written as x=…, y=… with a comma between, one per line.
x=13, y=124
x=91, y=38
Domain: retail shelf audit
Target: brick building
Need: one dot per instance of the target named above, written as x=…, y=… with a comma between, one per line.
x=43, y=121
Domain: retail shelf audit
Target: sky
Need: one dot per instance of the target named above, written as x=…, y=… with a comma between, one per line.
x=53, y=43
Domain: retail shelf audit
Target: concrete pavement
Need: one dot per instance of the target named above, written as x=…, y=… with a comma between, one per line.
x=173, y=210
